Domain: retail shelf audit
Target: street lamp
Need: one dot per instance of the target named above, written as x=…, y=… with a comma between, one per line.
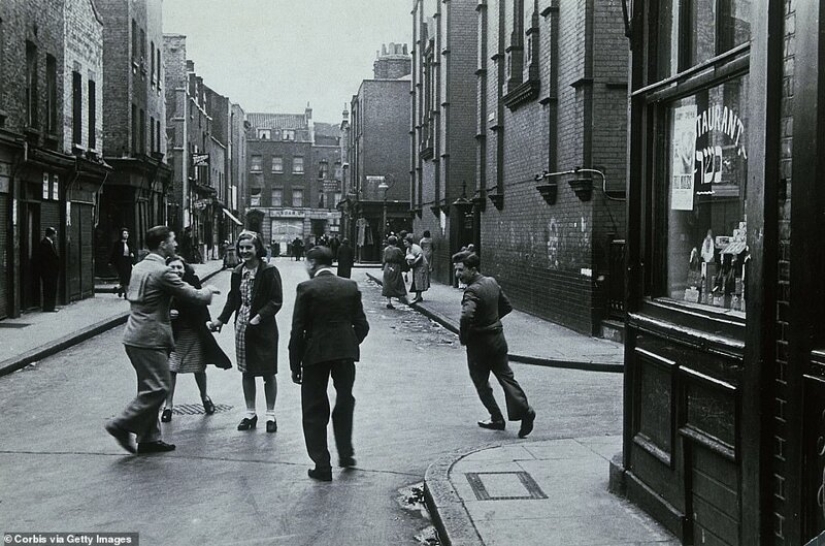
x=384, y=186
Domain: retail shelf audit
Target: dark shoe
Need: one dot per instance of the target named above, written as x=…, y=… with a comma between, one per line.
x=247, y=423
x=346, y=462
x=166, y=416
x=155, y=447
x=272, y=426
x=123, y=436
x=390, y=306
x=492, y=424
x=527, y=424
x=320, y=474
x=208, y=406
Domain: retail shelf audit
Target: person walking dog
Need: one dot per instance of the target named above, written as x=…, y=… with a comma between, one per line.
x=481, y=331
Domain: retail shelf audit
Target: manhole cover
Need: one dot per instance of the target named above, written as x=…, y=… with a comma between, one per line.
x=504, y=486
x=13, y=324
x=197, y=409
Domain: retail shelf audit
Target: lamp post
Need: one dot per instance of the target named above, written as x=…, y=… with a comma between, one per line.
x=384, y=186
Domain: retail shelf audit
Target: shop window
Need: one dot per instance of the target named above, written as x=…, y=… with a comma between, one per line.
x=298, y=165
x=277, y=198
x=256, y=162
x=297, y=198
x=277, y=165
x=691, y=32
x=706, y=178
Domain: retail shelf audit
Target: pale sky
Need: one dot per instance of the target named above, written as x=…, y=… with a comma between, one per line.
x=276, y=55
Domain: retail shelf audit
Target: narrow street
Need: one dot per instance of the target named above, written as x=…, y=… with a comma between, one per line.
x=59, y=471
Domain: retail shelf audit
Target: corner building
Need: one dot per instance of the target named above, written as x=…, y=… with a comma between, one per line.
x=725, y=353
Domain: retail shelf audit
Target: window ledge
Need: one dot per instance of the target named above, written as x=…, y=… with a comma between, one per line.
x=524, y=93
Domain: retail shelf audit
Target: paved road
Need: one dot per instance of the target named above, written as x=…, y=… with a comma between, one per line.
x=60, y=472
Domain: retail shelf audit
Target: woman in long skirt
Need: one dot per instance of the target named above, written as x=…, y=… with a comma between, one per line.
x=195, y=347
x=393, y=260
x=419, y=266
x=255, y=296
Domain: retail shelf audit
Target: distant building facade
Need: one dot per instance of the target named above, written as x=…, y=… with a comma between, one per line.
x=378, y=153
x=134, y=123
x=289, y=178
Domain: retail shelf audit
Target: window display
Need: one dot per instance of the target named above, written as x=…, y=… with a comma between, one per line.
x=707, y=164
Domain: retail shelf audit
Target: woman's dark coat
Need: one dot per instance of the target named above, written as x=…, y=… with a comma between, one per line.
x=267, y=299
x=195, y=318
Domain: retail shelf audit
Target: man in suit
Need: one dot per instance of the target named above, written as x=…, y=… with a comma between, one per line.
x=328, y=325
x=480, y=330
x=47, y=265
x=148, y=340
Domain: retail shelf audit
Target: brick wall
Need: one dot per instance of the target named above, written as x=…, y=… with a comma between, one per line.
x=84, y=55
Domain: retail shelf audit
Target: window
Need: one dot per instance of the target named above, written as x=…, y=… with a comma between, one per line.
x=277, y=198
x=152, y=134
x=297, y=165
x=706, y=156
x=277, y=165
x=255, y=197
x=693, y=31
x=297, y=198
x=77, y=108
x=157, y=138
x=255, y=165
x=51, y=94
x=158, y=69
x=323, y=170
x=134, y=41
x=142, y=132
x=152, y=59
x=92, y=115
x=134, y=129
x=31, y=85
x=337, y=198
x=264, y=134
x=288, y=134
x=143, y=50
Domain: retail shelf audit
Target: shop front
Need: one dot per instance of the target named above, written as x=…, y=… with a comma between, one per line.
x=724, y=385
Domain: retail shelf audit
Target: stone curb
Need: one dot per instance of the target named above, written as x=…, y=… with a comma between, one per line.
x=53, y=347
x=454, y=525
x=585, y=365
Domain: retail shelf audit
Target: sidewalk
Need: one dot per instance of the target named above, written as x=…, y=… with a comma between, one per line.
x=546, y=493
x=531, y=340
x=35, y=335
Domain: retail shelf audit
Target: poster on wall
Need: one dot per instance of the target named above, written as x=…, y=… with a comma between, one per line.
x=683, y=135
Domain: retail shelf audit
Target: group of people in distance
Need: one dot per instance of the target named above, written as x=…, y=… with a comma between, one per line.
x=169, y=331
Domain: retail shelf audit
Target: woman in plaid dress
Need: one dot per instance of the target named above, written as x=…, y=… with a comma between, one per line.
x=255, y=296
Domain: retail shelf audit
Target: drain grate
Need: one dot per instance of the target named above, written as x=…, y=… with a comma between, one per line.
x=197, y=409
x=504, y=486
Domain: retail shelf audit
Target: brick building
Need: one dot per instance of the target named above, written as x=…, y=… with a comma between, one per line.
x=237, y=162
x=725, y=352
x=193, y=206
x=290, y=186
x=378, y=153
x=443, y=127
x=549, y=192
x=50, y=171
x=134, y=124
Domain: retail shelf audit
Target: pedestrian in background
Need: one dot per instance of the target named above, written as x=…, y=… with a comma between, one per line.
x=334, y=245
x=345, y=259
x=46, y=264
x=255, y=297
x=148, y=340
x=419, y=268
x=393, y=282
x=480, y=330
x=328, y=325
x=195, y=347
x=121, y=259
x=426, y=244
x=297, y=249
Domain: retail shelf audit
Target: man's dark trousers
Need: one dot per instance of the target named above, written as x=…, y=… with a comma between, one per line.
x=49, y=289
x=315, y=409
x=487, y=353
